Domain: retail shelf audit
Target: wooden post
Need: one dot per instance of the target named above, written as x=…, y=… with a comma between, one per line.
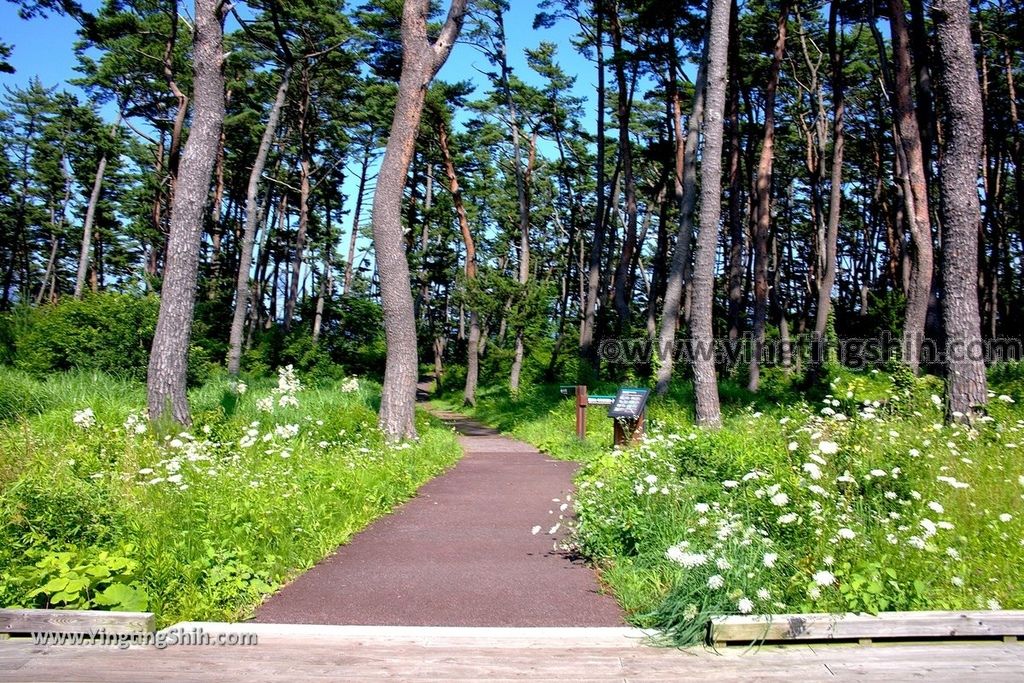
x=629, y=431
x=581, y=411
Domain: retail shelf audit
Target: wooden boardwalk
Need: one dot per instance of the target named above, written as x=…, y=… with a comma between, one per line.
x=362, y=653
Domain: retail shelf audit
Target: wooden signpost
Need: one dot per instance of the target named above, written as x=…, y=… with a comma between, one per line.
x=628, y=411
x=627, y=408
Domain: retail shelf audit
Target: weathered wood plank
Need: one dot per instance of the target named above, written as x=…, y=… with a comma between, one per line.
x=867, y=627
x=74, y=621
x=354, y=658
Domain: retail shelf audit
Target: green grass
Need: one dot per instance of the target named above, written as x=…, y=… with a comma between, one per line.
x=861, y=498
x=199, y=525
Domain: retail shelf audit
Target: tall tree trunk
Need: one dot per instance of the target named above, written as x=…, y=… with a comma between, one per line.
x=736, y=231
x=919, y=294
x=473, y=344
x=364, y=166
x=959, y=206
x=90, y=217
x=828, y=277
x=420, y=61
x=56, y=236
x=705, y=380
x=327, y=278
x=522, y=184
x=168, y=361
x=305, y=164
x=587, y=333
x=685, y=194
x=623, y=278
x=764, y=201
x=252, y=219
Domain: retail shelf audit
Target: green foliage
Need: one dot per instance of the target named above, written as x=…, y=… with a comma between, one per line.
x=89, y=578
x=97, y=511
x=863, y=501
x=20, y=394
x=351, y=342
x=108, y=332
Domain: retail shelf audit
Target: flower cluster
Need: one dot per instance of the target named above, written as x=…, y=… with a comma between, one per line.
x=856, y=505
x=284, y=394
x=85, y=418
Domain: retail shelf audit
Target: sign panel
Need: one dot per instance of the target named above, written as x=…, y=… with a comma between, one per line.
x=629, y=403
x=596, y=400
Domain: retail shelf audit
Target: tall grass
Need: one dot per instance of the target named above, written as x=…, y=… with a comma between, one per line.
x=857, y=497
x=97, y=511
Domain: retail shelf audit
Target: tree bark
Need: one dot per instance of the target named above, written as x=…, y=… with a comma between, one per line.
x=828, y=278
x=587, y=334
x=252, y=219
x=168, y=361
x=623, y=279
x=705, y=380
x=346, y=287
x=764, y=202
x=686, y=194
x=736, y=231
x=473, y=342
x=327, y=279
x=959, y=207
x=305, y=164
x=420, y=61
x=918, y=219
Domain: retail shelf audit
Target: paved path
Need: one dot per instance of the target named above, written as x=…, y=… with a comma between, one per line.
x=461, y=553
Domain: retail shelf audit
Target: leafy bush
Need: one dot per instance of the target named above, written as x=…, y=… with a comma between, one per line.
x=108, y=332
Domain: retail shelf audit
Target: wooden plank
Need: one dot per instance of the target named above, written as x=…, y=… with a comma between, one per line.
x=74, y=621
x=350, y=657
x=866, y=627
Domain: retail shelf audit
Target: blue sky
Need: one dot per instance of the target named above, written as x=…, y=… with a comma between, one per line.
x=43, y=48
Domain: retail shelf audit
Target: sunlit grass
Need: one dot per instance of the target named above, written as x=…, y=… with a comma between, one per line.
x=853, y=498
x=206, y=522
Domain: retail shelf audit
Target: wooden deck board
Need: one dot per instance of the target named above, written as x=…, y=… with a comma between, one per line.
x=359, y=653
x=905, y=625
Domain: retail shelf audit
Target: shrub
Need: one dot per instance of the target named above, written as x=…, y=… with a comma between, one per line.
x=108, y=332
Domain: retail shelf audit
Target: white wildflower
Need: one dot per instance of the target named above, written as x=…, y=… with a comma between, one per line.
x=812, y=470
x=84, y=418
x=715, y=582
x=824, y=578
x=745, y=605
x=828, y=447
x=685, y=559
